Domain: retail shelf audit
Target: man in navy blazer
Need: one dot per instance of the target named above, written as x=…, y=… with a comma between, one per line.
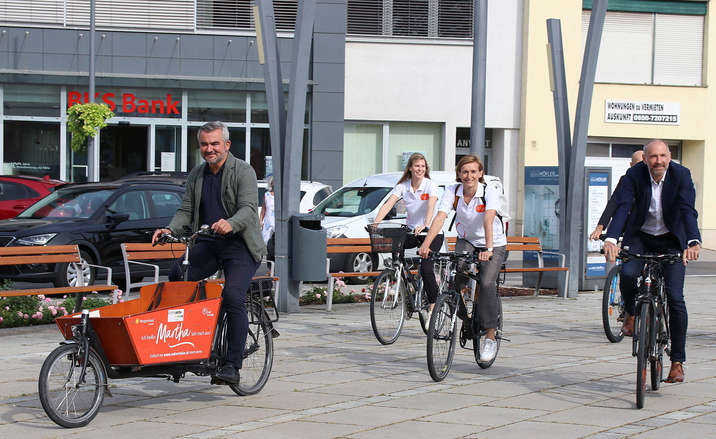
x=655, y=211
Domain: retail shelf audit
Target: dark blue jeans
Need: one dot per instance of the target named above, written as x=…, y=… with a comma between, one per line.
x=205, y=258
x=674, y=286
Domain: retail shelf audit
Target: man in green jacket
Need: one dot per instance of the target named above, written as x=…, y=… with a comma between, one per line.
x=222, y=193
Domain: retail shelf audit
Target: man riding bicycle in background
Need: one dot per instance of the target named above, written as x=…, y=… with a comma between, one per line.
x=655, y=211
x=222, y=193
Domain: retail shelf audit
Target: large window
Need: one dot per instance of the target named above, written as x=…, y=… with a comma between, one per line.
x=364, y=152
x=31, y=100
x=650, y=48
x=32, y=148
x=411, y=18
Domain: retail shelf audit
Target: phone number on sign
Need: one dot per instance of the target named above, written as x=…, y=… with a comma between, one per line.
x=655, y=118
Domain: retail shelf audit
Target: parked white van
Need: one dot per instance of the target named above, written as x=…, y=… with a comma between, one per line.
x=351, y=208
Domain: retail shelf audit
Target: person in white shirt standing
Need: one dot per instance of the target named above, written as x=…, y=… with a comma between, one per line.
x=420, y=195
x=478, y=229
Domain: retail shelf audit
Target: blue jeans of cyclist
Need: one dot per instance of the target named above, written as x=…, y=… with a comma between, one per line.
x=674, y=286
x=487, y=294
x=205, y=258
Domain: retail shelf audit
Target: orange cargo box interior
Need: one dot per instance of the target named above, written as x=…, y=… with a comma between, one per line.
x=110, y=325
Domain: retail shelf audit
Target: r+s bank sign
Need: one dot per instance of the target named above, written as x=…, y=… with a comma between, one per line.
x=129, y=103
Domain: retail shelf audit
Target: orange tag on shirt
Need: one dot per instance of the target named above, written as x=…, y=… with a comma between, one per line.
x=480, y=208
x=425, y=197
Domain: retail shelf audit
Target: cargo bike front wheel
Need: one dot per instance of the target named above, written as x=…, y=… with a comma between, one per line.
x=72, y=385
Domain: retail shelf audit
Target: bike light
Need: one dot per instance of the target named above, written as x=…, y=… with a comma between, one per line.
x=36, y=239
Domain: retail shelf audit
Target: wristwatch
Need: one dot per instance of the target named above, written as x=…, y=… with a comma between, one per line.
x=489, y=249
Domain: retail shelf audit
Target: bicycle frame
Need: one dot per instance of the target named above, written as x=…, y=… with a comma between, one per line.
x=652, y=295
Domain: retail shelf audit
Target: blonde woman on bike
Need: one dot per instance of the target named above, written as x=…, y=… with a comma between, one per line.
x=420, y=195
x=478, y=227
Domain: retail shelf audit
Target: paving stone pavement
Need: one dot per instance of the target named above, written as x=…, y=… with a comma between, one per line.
x=558, y=377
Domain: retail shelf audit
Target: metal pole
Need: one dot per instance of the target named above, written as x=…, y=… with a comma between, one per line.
x=575, y=192
x=269, y=56
x=479, y=61
x=92, y=153
x=561, y=112
x=305, y=16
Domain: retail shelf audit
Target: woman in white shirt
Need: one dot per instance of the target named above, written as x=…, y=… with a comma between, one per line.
x=478, y=228
x=267, y=218
x=420, y=195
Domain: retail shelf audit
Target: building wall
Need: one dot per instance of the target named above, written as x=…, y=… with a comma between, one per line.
x=394, y=79
x=538, y=141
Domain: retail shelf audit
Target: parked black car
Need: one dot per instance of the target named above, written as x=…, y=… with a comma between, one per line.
x=96, y=216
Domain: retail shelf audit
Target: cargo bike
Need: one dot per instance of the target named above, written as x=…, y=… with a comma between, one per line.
x=172, y=328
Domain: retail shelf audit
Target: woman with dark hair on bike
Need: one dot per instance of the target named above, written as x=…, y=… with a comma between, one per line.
x=420, y=195
x=478, y=227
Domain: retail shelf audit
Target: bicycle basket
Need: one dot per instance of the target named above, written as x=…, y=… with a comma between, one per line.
x=388, y=238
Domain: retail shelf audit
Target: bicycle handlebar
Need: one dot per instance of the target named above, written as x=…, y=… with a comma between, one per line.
x=668, y=258
x=204, y=230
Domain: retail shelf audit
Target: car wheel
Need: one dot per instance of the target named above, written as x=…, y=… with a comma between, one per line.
x=359, y=263
x=68, y=274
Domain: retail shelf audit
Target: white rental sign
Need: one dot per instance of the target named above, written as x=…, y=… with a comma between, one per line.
x=662, y=113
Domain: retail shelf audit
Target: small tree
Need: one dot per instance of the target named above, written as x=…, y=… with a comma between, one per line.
x=84, y=120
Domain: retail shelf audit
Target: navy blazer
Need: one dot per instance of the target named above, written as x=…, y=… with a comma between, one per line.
x=677, y=201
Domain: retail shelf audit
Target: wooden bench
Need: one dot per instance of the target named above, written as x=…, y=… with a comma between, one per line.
x=523, y=244
x=346, y=245
x=52, y=254
x=135, y=253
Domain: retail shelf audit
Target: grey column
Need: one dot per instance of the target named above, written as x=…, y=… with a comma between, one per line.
x=479, y=61
x=561, y=112
x=306, y=13
x=575, y=190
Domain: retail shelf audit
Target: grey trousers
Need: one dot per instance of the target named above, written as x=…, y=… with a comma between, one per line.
x=487, y=292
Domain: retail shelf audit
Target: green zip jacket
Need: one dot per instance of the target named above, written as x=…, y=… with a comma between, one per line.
x=239, y=196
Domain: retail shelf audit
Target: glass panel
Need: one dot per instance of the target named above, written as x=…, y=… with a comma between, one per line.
x=352, y=201
x=365, y=17
x=123, y=151
x=165, y=203
x=624, y=150
x=132, y=203
x=237, y=136
x=455, y=19
x=362, y=150
x=223, y=105
x=407, y=138
x=68, y=202
x=166, y=146
x=259, y=108
x=597, y=150
x=261, y=152
x=410, y=18
x=10, y=191
x=31, y=148
x=31, y=100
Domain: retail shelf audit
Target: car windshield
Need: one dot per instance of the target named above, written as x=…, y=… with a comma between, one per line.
x=68, y=203
x=352, y=201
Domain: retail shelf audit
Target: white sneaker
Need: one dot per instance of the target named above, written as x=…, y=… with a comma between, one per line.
x=489, y=350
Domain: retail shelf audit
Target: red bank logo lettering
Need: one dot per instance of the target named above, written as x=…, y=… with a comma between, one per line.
x=129, y=103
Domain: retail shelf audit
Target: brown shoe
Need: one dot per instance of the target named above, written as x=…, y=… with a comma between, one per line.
x=628, y=325
x=676, y=374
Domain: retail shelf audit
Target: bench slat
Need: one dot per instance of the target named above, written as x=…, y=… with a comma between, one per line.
x=534, y=269
x=58, y=290
x=158, y=254
x=346, y=241
x=524, y=247
x=39, y=259
x=145, y=246
x=348, y=249
x=37, y=250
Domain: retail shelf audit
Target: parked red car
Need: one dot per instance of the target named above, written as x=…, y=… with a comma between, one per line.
x=18, y=192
